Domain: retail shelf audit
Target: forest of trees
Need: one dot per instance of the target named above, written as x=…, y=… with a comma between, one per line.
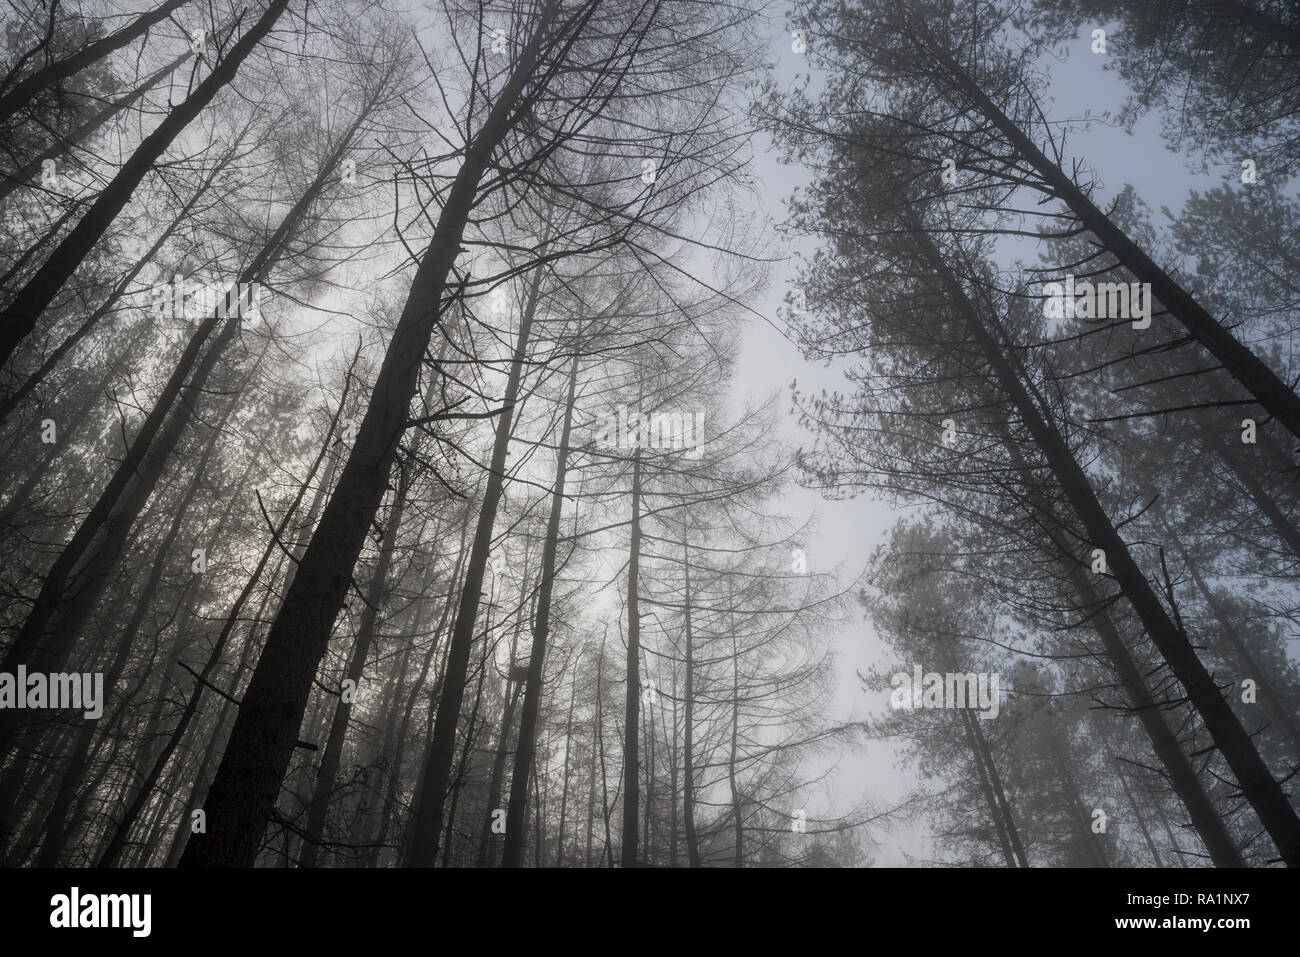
x=378, y=490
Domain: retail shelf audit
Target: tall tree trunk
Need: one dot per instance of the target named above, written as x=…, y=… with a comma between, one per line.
x=394, y=780
x=376, y=595
x=467, y=748
x=688, y=757
x=1137, y=811
x=527, y=745
x=564, y=782
x=511, y=695
x=423, y=847
x=632, y=698
x=591, y=792
x=987, y=771
x=737, y=804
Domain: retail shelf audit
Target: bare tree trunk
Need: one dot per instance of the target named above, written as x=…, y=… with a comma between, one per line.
x=423, y=847
x=632, y=698
x=688, y=758
x=377, y=594
x=526, y=747
x=986, y=786
x=470, y=732
x=394, y=780
x=1137, y=812
x=591, y=794
x=737, y=805
x=564, y=783
x=511, y=695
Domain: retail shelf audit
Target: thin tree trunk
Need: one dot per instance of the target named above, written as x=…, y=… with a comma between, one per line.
x=511, y=695
x=377, y=594
x=737, y=805
x=564, y=783
x=986, y=786
x=470, y=732
x=1137, y=812
x=688, y=758
x=423, y=847
x=632, y=699
x=526, y=746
